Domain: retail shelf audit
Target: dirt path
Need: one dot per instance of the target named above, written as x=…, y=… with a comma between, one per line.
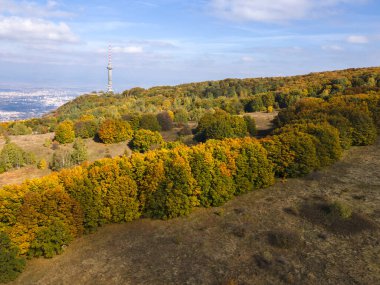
x=231, y=244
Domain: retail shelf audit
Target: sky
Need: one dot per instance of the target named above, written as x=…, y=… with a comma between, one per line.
x=64, y=43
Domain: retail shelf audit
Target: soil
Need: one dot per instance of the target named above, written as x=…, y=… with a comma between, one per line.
x=263, y=237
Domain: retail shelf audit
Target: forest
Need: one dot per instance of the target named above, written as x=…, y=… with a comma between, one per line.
x=320, y=116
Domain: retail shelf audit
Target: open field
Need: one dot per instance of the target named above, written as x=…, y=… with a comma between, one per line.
x=271, y=236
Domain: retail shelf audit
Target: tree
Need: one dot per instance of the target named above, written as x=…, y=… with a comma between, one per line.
x=64, y=133
x=12, y=156
x=150, y=122
x=79, y=153
x=165, y=121
x=144, y=140
x=220, y=125
x=114, y=131
x=19, y=128
x=11, y=265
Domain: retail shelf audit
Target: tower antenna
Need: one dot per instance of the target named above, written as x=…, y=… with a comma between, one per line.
x=109, y=67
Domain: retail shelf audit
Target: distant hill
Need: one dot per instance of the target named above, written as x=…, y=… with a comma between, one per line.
x=232, y=95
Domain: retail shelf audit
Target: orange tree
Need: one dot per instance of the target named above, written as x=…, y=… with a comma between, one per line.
x=114, y=131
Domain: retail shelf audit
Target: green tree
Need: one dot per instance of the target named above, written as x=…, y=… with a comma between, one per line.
x=150, y=122
x=64, y=133
x=11, y=264
x=144, y=140
x=79, y=153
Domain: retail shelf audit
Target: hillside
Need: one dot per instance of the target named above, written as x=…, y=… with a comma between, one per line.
x=232, y=95
x=232, y=244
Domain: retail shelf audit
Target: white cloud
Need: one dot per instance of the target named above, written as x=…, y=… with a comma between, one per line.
x=32, y=9
x=247, y=59
x=332, y=48
x=128, y=49
x=357, y=39
x=29, y=29
x=271, y=11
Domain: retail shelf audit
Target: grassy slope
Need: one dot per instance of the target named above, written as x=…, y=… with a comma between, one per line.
x=230, y=245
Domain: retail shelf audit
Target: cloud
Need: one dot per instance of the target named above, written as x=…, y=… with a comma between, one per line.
x=332, y=48
x=128, y=49
x=271, y=11
x=32, y=9
x=29, y=29
x=357, y=39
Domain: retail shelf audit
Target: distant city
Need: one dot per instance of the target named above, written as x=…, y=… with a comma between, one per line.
x=17, y=104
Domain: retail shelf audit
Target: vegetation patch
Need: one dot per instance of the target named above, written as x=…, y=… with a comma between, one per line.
x=336, y=217
x=284, y=239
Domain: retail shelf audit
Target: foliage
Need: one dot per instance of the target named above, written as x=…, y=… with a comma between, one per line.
x=50, y=240
x=79, y=153
x=19, y=128
x=42, y=164
x=85, y=129
x=150, y=122
x=114, y=131
x=64, y=133
x=144, y=140
x=11, y=265
x=251, y=125
x=292, y=153
x=165, y=121
x=12, y=156
x=220, y=125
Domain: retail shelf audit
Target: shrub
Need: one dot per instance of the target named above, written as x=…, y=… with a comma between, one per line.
x=114, y=131
x=42, y=164
x=340, y=210
x=79, y=153
x=11, y=265
x=85, y=129
x=327, y=141
x=133, y=120
x=144, y=140
x=220, y=125
x=64, y=133
x=19, y=128
x=61, y=159
x=12, y=156
x=181, y=116
x=150, y=122
x=50, y=240
x=177, y=194
x=185, y=131
x=251, y=125
x=293, y=154
x=165, y=121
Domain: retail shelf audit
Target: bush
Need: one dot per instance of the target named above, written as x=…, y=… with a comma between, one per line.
x=85, y=129
x=11, y=265
x=64, y=133
x=50, y=240
x=79, y=153
x=19, y=128
x=150, y=122
x=251, y=125
x=165, y=121
x=293, y=154
x=144, y=140
x=42, y=164
x=114, y=131
x=185, y=131
x=327, y=141
x=340, y=210
x=12, y=156
x=133, y=120
x=220, y=125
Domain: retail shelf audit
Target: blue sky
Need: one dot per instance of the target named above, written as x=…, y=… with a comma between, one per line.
x=164, y=42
